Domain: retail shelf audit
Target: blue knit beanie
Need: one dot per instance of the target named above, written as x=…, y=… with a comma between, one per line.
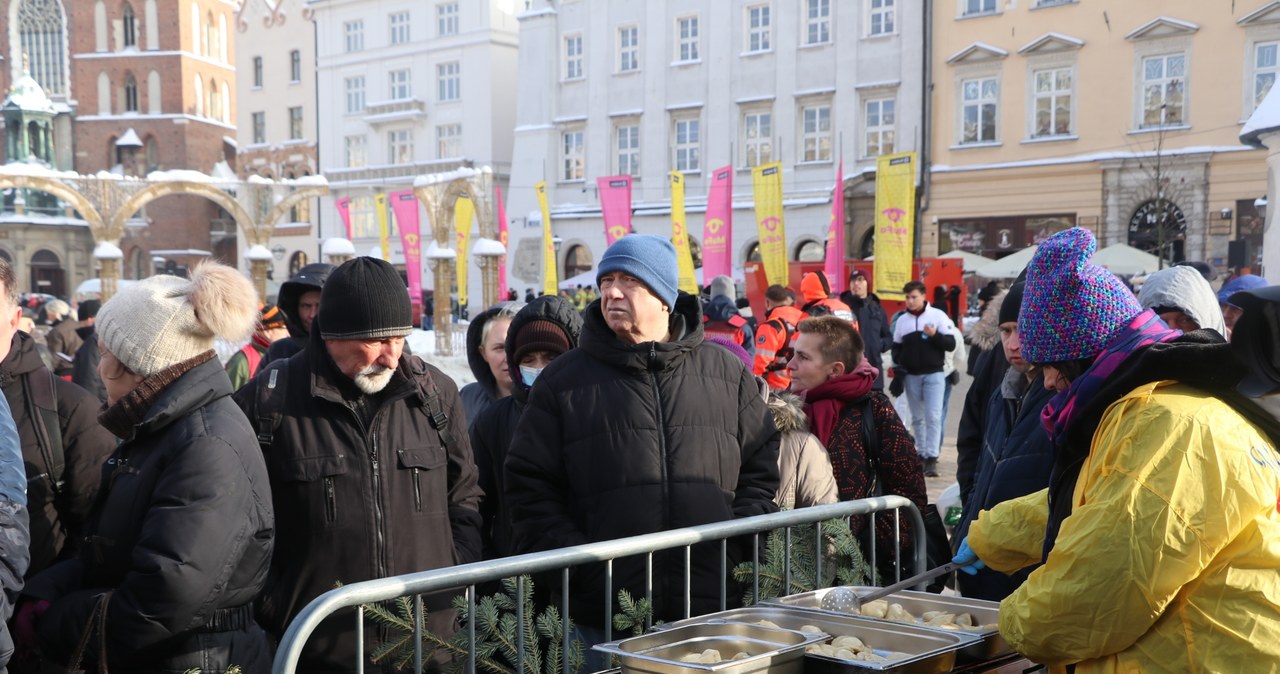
x=1071, y=308
x=652, y=259
x=1238, y=284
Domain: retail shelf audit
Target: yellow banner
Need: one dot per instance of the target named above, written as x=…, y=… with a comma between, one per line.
x=384, y=226
x=766, y=184
x=464, y=211
x=895, y=223
x=680, y=236
x=550, y=274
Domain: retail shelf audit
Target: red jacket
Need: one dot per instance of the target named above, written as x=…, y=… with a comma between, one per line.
x=774, y=341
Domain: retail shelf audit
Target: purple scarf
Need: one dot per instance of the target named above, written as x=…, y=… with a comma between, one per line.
x=1142, y=331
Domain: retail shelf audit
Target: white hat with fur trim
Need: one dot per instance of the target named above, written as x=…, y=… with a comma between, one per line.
x=165, y=320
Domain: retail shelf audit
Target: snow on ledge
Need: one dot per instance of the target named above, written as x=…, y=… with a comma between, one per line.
x=258, y=252
x=489, y=247
x=105, y=250
x=337, y=246
x=435, y=252
x=447, y=177
x=1263, y=120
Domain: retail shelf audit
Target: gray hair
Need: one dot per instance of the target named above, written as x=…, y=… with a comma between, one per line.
x=57, y=308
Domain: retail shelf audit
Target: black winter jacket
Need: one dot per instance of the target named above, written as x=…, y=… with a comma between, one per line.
x=84, y=371
x=56, y=521
x=309, y=278
x=873, y=326
x=622, y=439
x=354, y=502
x=181, y=535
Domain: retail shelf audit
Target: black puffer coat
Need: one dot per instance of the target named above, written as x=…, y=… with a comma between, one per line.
x=622, y=439
x=493, y=429
x=182, y=537
x=56, y=521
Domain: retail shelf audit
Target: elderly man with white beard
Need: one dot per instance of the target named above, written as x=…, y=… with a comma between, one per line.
x=369, y=459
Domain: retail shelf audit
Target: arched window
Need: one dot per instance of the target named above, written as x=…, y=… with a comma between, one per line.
x=210, y=36
x=130, y=25
x=151, y=22
x=199, y=96
x=130, y=93
x=154, y=104
x=753, y=253
x=138, y=266
x=214, y=104
x=153, y=153
x=4, y=255
x=810, y=250
x=104, y=93
x=222, y=37
x=197, y=31
x=41, y=33
x=868, y=247
x=1159, y=227
x=100, y=26
x=577, y=261
x=296, y=262
x=225, y=118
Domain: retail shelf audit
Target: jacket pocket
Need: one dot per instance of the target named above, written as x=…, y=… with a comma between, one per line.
x=315, y=476
x=423, y=464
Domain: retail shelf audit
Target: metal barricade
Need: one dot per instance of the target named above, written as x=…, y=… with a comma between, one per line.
x=470, y=575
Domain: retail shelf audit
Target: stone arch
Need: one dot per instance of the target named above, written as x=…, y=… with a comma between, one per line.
x=185, y=187
x=64, y=192
x=808, y=249
x=298, y=196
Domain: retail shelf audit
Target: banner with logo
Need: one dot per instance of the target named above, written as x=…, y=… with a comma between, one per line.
x=895, y=223
x=717, y=228
x=550, y=274
x=344, y=212
x=680, y=235
x=766, y=185
x=834, y=267
x=502, y=239
x=615, y=205
x=464, y=211
x=404, y=204
x=384, y=226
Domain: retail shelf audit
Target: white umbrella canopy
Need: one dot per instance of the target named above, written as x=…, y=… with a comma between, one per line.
x=972, y=261
x=1124, y=260
x=1008, y=267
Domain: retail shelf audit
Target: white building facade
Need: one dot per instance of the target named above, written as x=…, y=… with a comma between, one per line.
x=611, y=87
x=410, y=88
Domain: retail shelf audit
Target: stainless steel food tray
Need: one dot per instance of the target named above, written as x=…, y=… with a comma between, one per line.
x=931, y=651
x=772, y=650
x=985, y=612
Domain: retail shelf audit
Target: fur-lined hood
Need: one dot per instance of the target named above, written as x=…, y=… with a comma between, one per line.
x=788, y=412
x=985, y=334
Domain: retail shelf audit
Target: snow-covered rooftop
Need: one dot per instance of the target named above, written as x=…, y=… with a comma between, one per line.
x=1265, y=119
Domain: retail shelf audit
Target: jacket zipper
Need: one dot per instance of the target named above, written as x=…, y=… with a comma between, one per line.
x=330, y=500
x=417, y=489
x=662, y=448
x=379, y=552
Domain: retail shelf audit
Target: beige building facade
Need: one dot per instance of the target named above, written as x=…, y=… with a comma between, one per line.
x=1119, y=116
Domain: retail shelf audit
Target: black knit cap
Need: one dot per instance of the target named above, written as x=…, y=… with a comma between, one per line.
x=540, y=335
x=365, y=298
x=1012, y=304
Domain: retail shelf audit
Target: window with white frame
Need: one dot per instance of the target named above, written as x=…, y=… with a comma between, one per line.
x=353, y=33
x=757, y=137
x=400, y=146
x=259, y=128
x=980, y=102
x=295, y=123
x=974, y=7
x=817, y=21
x=627, y=142
x=295, y=66
x=448, y=141
x=399, y=27
x=449, y=79
x=41, y=27
x=1164, y=89
x=687, y=39
x=355, y=93
x=815, y=133
x=687, y=147
x=573, y=57
x=880, y=124
x=1052, y=89
x=364, y=217
x=1265, y=66
x=356, y=150
x=572, y=155
x=881, y=15
x=400, y=85
x=628, y=49
x=447, y=18
x=758, y=28
x=257, y=72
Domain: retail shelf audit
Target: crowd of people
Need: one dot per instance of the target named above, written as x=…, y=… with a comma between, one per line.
x=1117, y=455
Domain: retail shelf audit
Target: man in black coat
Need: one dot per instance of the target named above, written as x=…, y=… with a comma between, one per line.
x=299, y=298
x=84, y=369
x=873, y=324
x=363, y=485
x=642, y=428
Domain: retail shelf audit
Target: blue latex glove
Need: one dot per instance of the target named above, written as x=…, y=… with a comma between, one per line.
x=968, y=559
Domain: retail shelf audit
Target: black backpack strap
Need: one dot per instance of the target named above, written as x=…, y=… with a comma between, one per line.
x=271, y=391
x=429, y=396
x=42, y=407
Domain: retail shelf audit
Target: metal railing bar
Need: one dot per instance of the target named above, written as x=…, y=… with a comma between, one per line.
x=608, y=605
x=724, y=573
x=688, y=581
x=417, y=634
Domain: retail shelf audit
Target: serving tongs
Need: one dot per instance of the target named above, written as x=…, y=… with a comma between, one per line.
x=844, y=600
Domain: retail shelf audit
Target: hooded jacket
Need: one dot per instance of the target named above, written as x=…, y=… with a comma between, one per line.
x=482, y=392
x=724, y=319
x=803, y=464
x=988, y=375
x=388, y=495
x=495, y=426
x=622, y=439
x=57, y=521
x=84, y=371
x=818, y=301
x=181, y=536
x=1176, y=500
x=1183, y=288
x=309, y=278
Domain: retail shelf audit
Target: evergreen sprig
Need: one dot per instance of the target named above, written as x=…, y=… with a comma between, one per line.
x=842, y=562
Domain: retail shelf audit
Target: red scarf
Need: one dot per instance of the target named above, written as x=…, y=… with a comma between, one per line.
x=824, y=401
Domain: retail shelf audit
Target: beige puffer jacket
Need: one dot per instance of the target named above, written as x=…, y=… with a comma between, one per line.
x=803, y=463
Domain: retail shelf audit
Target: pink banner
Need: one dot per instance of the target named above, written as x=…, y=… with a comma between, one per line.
x=717, y=229
x=835, y=236
x=502, y=239
x=615, y=204
x=405, y=206
x=344, y=211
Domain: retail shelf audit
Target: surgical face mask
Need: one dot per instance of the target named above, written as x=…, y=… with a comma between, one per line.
x=529, y=374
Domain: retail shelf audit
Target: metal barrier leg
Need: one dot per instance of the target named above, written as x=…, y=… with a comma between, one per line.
x=897, y=546
x=688, y=582
x=817, y=573
x=471, y=629
x=648, y=588
x=359, y=640
x=608, y=600
x=417, y=634
x=875, y=567
x=755, y=566
x=564, y=621
x=520, y=618
x=786, y=564
x=724, y=573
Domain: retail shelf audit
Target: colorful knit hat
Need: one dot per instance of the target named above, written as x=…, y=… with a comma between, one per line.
x=1071, y=308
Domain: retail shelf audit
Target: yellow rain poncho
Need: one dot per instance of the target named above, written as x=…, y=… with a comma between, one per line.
x=1170, y=559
